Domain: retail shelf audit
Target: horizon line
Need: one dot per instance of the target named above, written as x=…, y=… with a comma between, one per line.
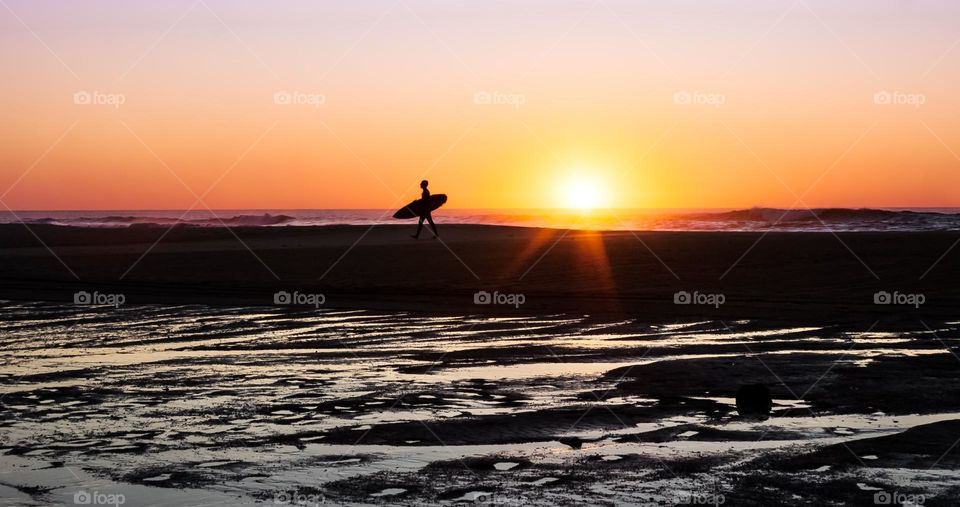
x=554, y=209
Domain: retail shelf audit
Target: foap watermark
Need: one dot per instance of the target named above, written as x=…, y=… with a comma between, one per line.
x=299, y=499
x=84, y=497
x=98, y=298
x=695, y=498
x=96, y=98
x=897, y=498
x=899, y=98
x=485, y=98
x=898, y=298
x=298, y=98
x=699, y=98
x=713, y=497
x=298, y=298
x=698, y=298
x=489, y=499
x=483, y=297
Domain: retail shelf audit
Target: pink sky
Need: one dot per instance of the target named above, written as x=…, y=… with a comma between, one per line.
x=499, y=104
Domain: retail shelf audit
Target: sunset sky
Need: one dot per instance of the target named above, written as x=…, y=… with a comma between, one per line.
x=500, y=104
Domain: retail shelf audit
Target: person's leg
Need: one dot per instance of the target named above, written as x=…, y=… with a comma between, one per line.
x=432, y=226
x=419, y=228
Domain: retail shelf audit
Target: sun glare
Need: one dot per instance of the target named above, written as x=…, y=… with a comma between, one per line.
x=580, y=193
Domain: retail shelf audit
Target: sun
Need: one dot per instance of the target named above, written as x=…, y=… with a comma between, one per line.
x=580, y=192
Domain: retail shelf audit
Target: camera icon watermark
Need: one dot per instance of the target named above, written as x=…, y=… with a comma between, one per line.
x=899, y=98
x=897, y=498
x=299, y=499
x=697, y=298
x=298, y=98
x=96, y=98
x=495, y=98
x=483, y=297
x=491, y=499
x=84, y=497
x=298, y=298
x=897, y=298
x=699, y=98
x=98, y=298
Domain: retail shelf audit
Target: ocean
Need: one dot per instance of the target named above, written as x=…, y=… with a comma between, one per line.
x=753, y=219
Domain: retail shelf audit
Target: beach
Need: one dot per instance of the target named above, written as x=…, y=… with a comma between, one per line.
x=501, y=254
x=811, y=276
x=194, y=405
x=499, y=366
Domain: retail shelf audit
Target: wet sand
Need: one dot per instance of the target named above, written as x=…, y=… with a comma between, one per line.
x=196, y=405
x=801, y=277
x=202, y=389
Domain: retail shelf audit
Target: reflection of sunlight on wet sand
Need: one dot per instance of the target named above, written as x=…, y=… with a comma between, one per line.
x=199, y=387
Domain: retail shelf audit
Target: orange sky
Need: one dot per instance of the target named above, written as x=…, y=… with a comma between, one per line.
x=499, y=104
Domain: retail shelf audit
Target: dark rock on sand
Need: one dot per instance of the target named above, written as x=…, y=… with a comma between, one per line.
x=889, y=384
x=754, y=400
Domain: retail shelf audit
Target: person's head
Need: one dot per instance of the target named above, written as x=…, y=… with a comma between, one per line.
x=424, y=183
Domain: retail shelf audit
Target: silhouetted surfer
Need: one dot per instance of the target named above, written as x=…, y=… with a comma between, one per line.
x=425, y=213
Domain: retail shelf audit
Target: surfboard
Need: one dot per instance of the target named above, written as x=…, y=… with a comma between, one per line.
x=418, y=207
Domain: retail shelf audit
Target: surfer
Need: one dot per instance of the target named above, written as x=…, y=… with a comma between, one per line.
x=425, y=214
